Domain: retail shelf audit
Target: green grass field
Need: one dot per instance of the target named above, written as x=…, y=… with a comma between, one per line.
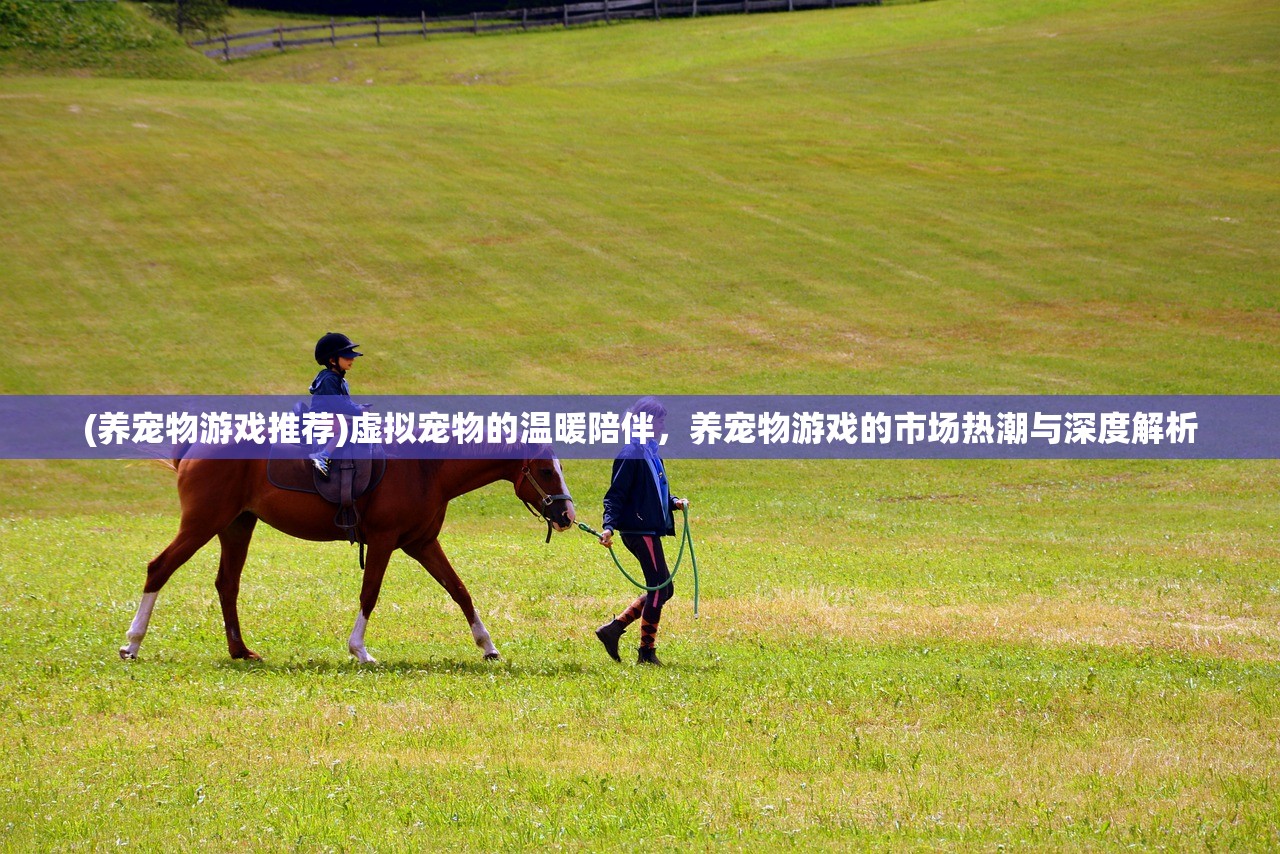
x=947, y=197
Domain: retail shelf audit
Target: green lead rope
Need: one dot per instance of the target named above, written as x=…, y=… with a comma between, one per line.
x=684, y=540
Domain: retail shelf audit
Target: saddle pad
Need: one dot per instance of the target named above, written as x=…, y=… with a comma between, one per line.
x=301, y=476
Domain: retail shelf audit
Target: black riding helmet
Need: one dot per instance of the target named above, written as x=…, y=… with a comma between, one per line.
x=333, y=344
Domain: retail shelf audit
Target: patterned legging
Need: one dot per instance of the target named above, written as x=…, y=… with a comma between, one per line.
x=648, y=551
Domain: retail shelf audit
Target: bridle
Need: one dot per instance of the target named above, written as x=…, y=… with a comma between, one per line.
x=544, y=506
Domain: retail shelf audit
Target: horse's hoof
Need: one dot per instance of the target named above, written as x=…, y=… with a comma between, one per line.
x=126, y=655
x=492, y=656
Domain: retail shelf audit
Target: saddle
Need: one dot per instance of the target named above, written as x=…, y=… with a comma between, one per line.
x=349, y=478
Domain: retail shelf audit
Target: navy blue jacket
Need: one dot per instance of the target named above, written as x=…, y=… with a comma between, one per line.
x=332, y=394
x=633, y=504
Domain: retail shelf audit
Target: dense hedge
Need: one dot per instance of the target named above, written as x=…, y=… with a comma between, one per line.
x=61, y=25
x=102, y=39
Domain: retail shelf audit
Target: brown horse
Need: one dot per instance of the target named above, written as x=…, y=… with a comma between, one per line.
x=226, y=498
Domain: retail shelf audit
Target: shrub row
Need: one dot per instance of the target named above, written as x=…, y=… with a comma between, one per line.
x=62, y=25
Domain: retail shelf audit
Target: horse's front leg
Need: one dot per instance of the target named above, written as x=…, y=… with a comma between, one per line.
x=235, y=548
x=431, y=555
x=375, y=567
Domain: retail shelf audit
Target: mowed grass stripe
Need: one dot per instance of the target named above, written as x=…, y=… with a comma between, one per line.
x=1004, y=211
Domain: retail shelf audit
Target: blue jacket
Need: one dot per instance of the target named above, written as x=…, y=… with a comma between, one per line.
x=639, y=500
x=332, y=394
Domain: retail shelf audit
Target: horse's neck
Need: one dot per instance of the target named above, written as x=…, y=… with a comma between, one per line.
x=458, y=477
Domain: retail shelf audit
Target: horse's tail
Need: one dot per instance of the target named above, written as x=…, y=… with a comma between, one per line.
x=179, y=451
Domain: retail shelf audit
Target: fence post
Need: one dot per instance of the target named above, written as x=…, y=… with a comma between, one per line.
x=791, y=5
x=657, y=11
x=524, y=18
x=565, y=8
x=377, y=29
x=280, y=36
x=226, y=48
x=606, y=12
x=695, y=8
x=333, y=34
x=746, y=6
x=424, y=23
x=475, y=23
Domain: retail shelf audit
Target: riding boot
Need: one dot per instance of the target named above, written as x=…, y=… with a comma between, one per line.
x=648, y=655
x=609, y=634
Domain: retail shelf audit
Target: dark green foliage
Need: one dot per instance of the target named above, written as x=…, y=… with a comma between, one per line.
x=188, y=15
x=94, y=37
x=47, y=24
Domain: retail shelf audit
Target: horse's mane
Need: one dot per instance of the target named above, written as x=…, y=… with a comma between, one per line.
x=398, y=450
x=480, y=451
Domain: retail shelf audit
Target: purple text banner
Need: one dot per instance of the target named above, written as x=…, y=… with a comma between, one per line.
x=696, y=426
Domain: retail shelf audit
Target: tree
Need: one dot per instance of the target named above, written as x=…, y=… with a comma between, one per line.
x=191, y=14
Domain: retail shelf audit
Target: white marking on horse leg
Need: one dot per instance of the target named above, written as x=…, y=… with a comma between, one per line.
x=355, y=643
x=138, y=628
x=481, y=634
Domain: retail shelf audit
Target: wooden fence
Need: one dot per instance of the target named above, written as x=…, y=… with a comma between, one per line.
x=232, y=45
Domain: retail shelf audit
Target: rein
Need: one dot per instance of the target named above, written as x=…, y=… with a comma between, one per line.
x=685, y=539
x=547, y=500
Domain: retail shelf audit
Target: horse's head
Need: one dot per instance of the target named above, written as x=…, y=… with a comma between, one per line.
x=540, y=485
